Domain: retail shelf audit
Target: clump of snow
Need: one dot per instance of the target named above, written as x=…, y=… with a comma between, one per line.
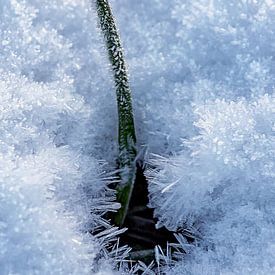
x=47, y=191
x=51, y=119
x=180, y=52
x=221, y=187
x=203, y=83
x=202, y=76
x=235, y=143
x=58, y=43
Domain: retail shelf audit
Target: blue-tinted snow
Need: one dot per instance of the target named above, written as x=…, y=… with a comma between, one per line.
x=203, y=82
x=50, y=118
x=202, y=76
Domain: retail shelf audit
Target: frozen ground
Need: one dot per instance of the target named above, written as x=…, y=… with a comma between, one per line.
x=202, y=74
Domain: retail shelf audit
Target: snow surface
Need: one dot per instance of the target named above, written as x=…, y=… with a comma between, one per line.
x=51, y=120
x=203, y=84
x=202, y=76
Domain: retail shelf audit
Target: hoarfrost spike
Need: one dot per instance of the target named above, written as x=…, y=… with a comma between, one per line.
x=126, y=129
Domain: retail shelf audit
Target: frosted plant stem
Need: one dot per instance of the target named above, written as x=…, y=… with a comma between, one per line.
x=126, y=129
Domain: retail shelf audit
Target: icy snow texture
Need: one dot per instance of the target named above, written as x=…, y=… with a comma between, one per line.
x=58, y=43
x=50, y=114
x=203, y=83
x=189, y=62
x=182, y=51
x=235, y=143
x=44, y=207
x=223, y=188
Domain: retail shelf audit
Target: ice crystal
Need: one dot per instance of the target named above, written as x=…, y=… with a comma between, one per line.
x=221, y=187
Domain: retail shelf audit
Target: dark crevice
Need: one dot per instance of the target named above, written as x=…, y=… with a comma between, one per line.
x=142, y=235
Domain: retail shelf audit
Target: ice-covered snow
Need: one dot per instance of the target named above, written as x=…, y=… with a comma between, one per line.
x=180, y=52
x=202, y=77
x=203, y=84
x=51, y=129
x=221, y=188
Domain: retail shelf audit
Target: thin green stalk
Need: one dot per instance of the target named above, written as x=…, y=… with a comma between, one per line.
x=126, y=129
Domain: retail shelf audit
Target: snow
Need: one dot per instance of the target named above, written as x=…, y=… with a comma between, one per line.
x=221, y=188
x=180, y=53
x=202, y=79
x=203, y=84
x=51, y=177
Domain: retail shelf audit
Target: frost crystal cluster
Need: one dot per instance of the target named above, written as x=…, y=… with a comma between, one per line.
x=202, y=74
x=50, y=109
x=203, y=86
x=221, y=189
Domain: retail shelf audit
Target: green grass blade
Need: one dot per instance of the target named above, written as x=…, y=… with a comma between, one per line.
x=126, y=129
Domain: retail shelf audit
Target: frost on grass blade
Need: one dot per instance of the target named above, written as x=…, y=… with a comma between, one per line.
x=126, y=135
